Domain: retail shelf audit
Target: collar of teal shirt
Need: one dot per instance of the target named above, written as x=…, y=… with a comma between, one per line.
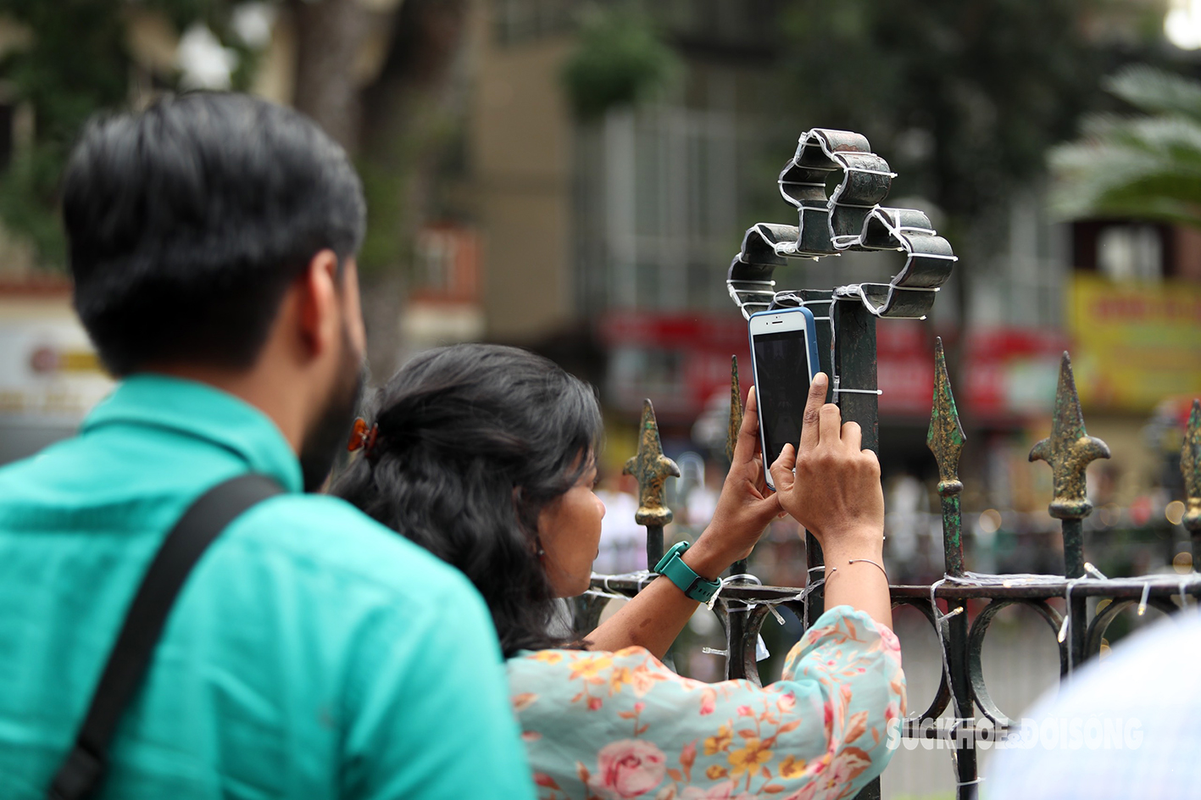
x=204, y=412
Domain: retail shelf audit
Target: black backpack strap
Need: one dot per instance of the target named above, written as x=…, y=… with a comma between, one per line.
x=83, y=768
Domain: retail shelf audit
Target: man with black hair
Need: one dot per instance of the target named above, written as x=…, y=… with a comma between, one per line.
x=311, y=653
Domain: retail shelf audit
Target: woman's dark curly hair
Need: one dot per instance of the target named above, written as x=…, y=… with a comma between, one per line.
x=473, y=442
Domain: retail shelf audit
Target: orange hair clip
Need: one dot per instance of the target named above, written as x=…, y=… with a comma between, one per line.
x=362, y=437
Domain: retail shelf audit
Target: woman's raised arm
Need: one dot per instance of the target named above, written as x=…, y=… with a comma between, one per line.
x=835, y=493
x=654, y=618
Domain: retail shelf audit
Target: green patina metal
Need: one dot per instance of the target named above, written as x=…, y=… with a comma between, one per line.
x=651, y=468
x=1190, y=465
x=735, y=410
x=1069, y=450
x=738, y=567
x=945, y=441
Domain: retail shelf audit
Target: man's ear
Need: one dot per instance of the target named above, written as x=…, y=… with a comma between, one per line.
x=319, y=310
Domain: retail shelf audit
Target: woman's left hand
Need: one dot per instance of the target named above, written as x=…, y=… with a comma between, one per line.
x=744, y=509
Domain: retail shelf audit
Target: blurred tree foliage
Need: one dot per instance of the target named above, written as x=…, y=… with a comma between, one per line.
x=619, y=60
x=964, y=96
x=75, y=62
x=1145, y=166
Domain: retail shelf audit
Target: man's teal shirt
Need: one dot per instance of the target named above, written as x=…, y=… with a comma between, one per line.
x=312, y=653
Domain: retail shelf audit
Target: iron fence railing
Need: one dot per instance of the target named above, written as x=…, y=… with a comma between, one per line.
x=849, y=218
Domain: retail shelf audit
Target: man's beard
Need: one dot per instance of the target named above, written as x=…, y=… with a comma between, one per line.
x=325, y=440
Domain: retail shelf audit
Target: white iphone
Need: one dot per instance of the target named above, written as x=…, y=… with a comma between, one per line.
x=784, y=360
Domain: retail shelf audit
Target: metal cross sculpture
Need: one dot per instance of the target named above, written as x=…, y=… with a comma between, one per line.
x=850, y=218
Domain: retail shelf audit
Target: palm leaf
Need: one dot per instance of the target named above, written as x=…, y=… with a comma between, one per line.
x=1145, y=167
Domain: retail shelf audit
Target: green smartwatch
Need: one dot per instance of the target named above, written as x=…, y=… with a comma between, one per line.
x=672, y=567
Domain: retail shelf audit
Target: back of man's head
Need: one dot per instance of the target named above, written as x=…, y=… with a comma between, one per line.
x=187, y=221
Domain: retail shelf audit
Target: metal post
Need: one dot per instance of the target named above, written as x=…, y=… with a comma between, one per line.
x=855, y=368
x=946, y=441
x=821, y=303
x=738, y=567
x=651, y=469
x=1190, y=466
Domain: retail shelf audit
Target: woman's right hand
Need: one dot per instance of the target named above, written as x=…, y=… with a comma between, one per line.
x=835, y=492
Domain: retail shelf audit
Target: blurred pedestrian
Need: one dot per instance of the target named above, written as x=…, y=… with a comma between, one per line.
x=312, y=653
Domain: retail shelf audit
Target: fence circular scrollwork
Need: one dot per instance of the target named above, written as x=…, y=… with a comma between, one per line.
x=745, y=650
x=975, y=649
x=1101, y=622
x=587, y=612
x=942, y=697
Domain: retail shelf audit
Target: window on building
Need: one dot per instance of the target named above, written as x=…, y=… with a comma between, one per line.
x=1123, y=250
x=663, y=183
x=1130, y=253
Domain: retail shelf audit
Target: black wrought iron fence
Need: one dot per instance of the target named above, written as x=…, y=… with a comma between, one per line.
x=850, y=218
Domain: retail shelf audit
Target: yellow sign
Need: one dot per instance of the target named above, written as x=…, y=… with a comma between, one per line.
x=1135, y=344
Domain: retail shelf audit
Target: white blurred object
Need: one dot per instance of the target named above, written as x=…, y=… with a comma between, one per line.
x=252, y=22
x=205, y=63
x=1182, y=25
x=623, y=541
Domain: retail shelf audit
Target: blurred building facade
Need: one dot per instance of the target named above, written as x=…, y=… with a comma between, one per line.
x=618, y=232
x=605, y=244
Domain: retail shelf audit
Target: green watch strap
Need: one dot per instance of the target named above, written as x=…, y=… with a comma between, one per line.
x=672, y=567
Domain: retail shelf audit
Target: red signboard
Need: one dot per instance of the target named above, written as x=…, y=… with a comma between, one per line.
x=681, y=361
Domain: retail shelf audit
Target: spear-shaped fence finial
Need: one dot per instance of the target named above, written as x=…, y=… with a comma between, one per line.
x=1190, y=465
x=1069, y=449
x=735, y=410
x=651, y=468
x=739, y=567
x=945, y=441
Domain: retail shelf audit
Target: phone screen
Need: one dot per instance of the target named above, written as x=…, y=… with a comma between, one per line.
x=782, y=388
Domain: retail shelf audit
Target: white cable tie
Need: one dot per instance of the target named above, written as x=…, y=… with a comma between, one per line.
x=868, y=172
x=859, y=391
x=1096, y=573
x=709, y=651
x=724, y=582
x=1063, y=628
x=1142, y=603
x=939, y=618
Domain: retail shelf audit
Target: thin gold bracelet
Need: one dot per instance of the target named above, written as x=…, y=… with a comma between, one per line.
x=875, y=564
x=831, y=570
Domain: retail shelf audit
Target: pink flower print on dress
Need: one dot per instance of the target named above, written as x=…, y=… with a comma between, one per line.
x=628, y=768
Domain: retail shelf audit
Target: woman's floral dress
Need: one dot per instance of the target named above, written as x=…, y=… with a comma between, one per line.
x=602, y=725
